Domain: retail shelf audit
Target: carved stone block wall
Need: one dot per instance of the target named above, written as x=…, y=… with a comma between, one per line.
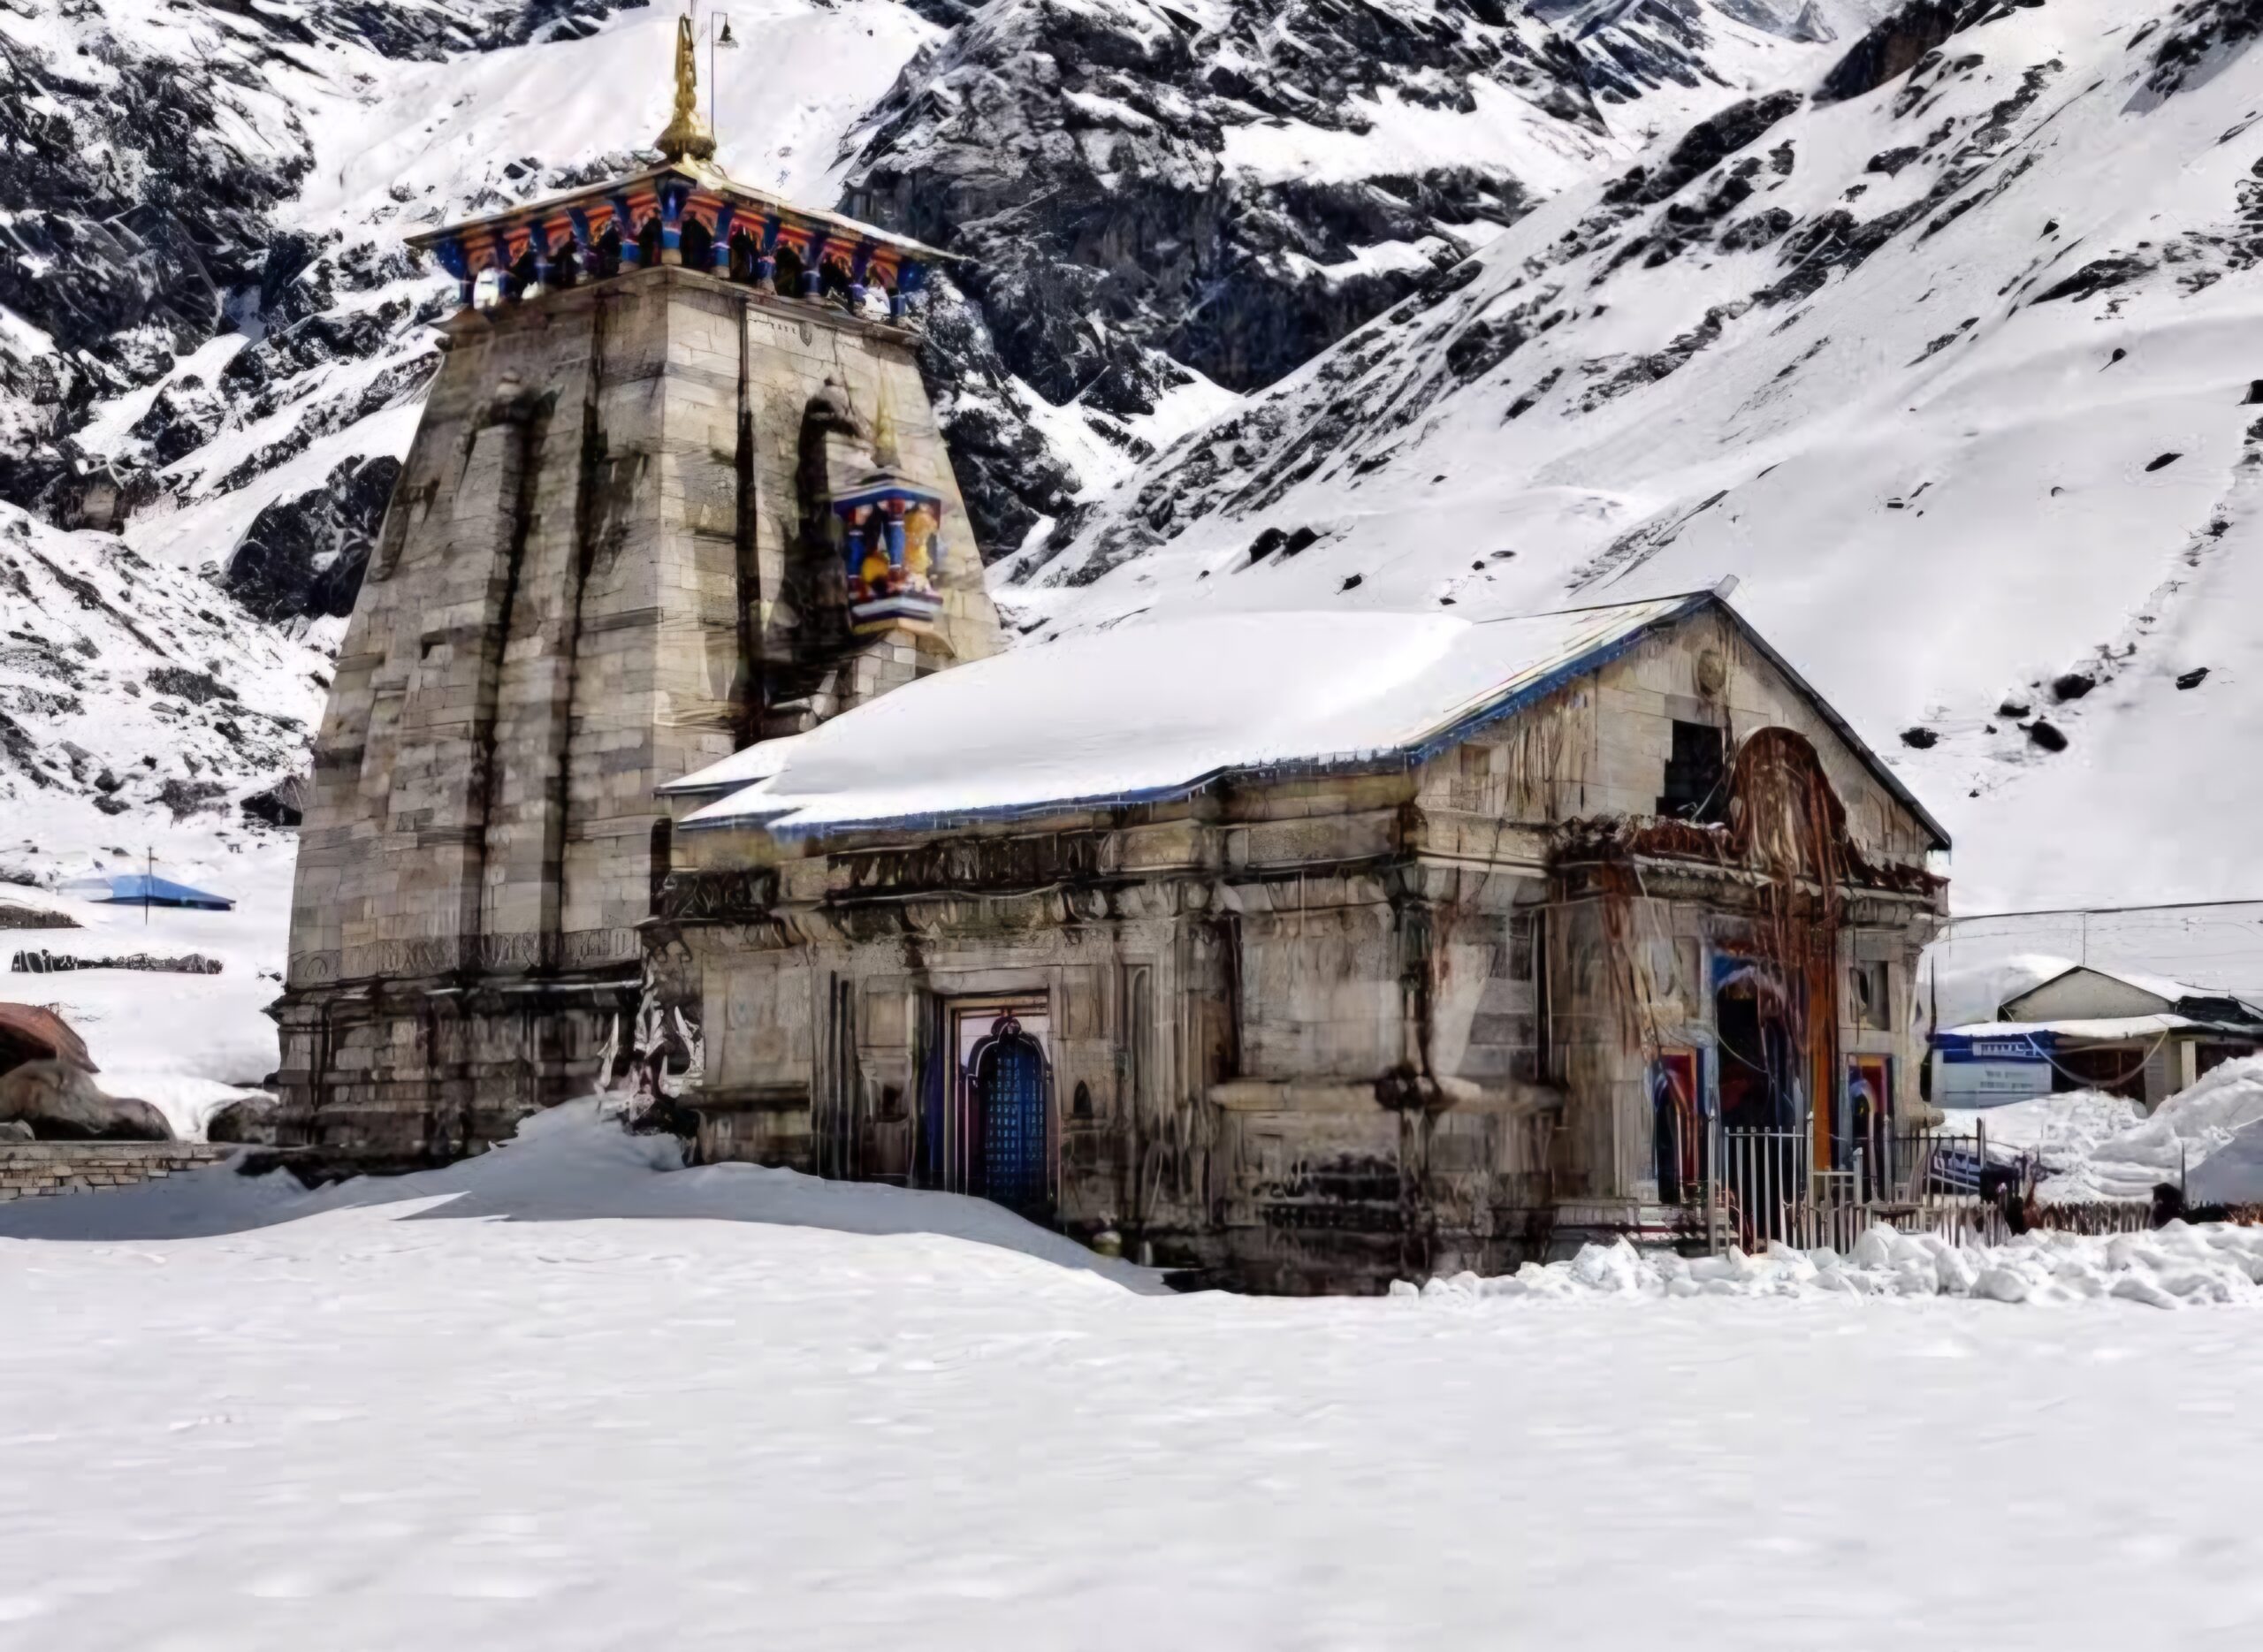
x=578, y=597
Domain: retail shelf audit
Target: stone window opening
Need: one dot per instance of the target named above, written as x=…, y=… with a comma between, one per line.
x=660, y=861
x=833, y=281
x=650, y=238
x=608, y=253
x=1696, y=775
x=1868, y=993
x=564, y=266
x=788, y=278
x=1138, y=1035
x=745, y=256
x=521, y=278
x=695, y=246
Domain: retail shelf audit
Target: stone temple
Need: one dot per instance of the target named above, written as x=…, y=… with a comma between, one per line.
x=1300, y=950
x=677, y=488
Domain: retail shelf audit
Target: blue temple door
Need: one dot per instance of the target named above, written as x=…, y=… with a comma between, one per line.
x=1010, y=1121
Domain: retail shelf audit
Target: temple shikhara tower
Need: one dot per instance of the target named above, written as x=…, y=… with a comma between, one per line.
x=677, y=489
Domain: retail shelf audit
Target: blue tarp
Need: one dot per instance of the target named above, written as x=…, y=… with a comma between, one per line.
x=133, y=888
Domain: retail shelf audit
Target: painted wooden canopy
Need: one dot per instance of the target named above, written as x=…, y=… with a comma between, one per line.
x=890, y=538
x=682, y=211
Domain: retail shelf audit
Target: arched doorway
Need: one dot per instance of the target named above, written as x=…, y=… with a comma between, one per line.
x=1009, y=1156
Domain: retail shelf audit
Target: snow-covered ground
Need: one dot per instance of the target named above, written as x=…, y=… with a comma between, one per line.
x=583, y=1404
x=186, y=1044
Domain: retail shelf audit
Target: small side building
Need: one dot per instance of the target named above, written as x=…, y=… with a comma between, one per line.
x=1311, y=950
x=2089, y=1027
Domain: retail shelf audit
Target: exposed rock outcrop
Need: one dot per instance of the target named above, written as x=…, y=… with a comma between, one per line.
x=61, y=1103
x=1106, y=167
x=306, y=556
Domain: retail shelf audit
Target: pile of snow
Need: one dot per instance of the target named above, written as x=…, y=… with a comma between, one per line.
x=2180, y=1136
x=2057, y=1132
x=571, y=1163
x=2233, y=1173
x=2177, y=1266
x=361, y=1434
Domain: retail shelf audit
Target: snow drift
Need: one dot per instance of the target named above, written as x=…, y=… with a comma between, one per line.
x=2180, y=1139
x=568, y=1164
x=2178, y=1265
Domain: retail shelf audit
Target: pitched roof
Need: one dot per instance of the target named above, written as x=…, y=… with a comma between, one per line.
x=1149, y=712
x=134, y=889
x=2172, y=993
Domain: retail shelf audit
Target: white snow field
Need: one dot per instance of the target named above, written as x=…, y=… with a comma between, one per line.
x=583, y=1404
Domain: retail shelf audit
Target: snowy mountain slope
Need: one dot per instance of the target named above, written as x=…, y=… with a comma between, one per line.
x=139, y=707
x=1167, y=201
x=1949, y=368
x=250, y=360
x=324, y=336
x=1677, y=56
x=258, y=399
x=199, y=177
x=203, y=287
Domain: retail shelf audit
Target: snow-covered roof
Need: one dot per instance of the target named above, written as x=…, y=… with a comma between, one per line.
x=2101, y=1028
x=742, y=768
x=2157, y=986
x=2213, y=1005
x=1157, y=709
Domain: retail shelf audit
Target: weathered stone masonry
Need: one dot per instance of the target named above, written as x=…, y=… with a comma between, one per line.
x=1321, y=1032
x=42, y=1169
x=598, y=574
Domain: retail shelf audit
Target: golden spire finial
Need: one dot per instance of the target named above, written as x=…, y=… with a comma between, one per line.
x=687, y=134
x=884, y=456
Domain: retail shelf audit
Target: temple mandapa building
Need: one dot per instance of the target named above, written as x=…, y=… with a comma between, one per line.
x=1311, y=950
x=1304, y=950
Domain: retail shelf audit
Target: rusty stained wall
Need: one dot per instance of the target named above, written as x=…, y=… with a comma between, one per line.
x=1313, y=1071
x=1599, y=746
x=1384, y=1122
x=805, y=1036
x=1605, y=1030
